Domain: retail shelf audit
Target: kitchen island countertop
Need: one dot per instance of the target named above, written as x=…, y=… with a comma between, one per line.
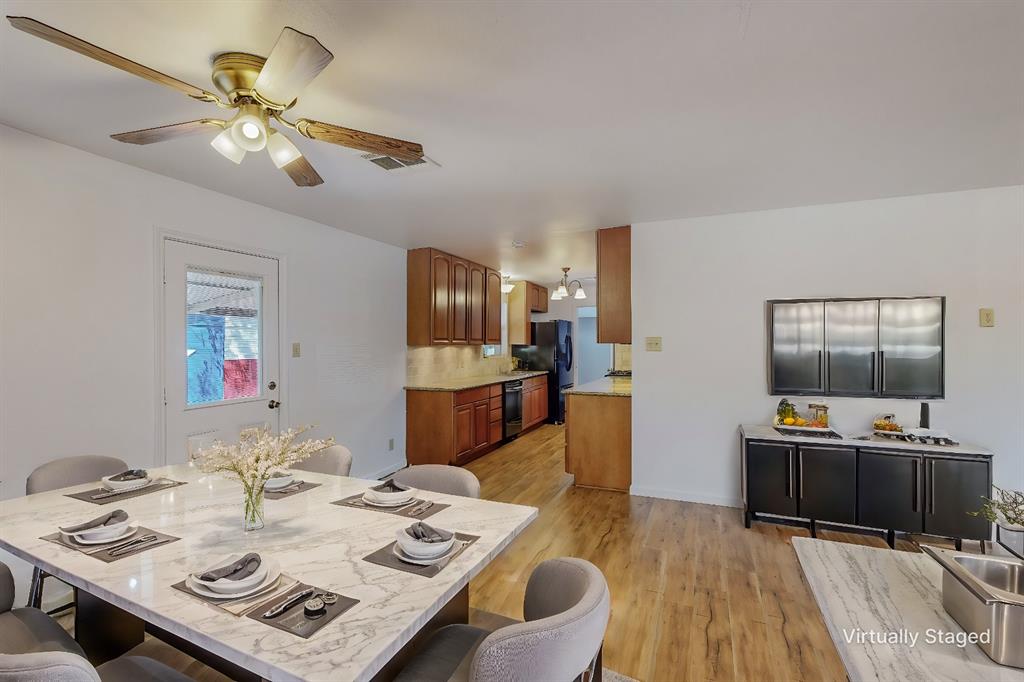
x=473, y=382
x=621, y=387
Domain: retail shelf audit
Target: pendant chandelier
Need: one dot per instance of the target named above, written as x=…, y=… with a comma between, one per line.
x=562, y=290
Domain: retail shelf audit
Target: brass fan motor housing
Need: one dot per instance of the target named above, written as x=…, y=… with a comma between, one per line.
x=235, y=73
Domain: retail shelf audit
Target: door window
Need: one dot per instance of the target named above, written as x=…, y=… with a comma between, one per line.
x=222, y=336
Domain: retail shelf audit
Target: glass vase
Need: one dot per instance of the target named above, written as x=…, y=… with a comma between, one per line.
x=253, y=506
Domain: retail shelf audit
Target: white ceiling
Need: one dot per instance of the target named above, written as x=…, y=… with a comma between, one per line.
x=553, y=119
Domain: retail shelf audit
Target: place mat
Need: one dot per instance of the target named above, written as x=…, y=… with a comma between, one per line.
x=294, y=619
x=241, y=605
x=303, y=487
x=385, y=556
x=103, y=554
x=356, y=502
x=86, y=496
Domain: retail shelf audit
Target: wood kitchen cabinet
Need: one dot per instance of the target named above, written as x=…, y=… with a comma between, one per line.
x=598, y=441
x=525, y=298
x=453, y=427
x=535, y=401
x=614, y=307
x=451, y=300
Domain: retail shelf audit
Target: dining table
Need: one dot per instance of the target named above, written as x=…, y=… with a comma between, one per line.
x=314, y=541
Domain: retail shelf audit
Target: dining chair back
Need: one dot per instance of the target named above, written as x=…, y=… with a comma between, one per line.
x=566, y=608
x=335, y=460
x=440, y=478
x=46, y=666
x=60, y=473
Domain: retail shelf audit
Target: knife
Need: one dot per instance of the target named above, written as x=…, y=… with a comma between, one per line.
x=114, y=493
x=288, y=603
x=118, y=545
x=422, y=508
x=142, y=544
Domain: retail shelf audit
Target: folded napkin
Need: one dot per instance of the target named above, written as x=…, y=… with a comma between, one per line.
x=280, y=474
x=130, y=475
x=389, y=486
x=237, y=570
x=116, y=516
x=426, y=533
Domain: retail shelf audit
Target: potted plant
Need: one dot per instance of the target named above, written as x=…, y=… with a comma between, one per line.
x=258, y=453
x=1006, y=509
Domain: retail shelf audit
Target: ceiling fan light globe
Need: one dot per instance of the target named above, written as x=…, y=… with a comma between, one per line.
x=225, y=144
x=580, y=294
x=282, y=151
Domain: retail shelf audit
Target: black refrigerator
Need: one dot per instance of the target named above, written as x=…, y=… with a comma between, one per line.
x=552, y=351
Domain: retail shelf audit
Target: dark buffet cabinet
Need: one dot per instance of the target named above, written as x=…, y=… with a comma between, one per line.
x=892, y=490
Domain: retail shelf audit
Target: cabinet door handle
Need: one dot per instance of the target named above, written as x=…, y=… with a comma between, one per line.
x=931, y=485
x=917, y=485
x=800, y=461
x=789, y=473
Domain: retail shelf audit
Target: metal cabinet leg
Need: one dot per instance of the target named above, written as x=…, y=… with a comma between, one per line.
x=814, y=529
x=890, y=537
x=959, y=544
x=747, y=518
x=104, y=630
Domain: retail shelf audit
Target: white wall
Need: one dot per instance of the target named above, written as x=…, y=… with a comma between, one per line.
x=701, y=284
x=77, y=346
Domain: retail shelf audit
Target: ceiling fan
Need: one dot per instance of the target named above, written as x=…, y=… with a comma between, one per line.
x=259, y=89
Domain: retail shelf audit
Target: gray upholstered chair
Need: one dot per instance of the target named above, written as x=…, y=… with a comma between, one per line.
x=566, y=609
x=440, y=478
x=60, y=666
x=28, y=629
x=335, y=460
x=60, y=473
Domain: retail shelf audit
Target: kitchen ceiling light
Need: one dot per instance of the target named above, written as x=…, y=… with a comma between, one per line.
x=282, y=151
x=248, y=129
x=562, y=290
x=580, y=294
x=507, y=286
x=224, y=144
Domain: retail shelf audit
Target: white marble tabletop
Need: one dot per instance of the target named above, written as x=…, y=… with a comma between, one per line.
x=867, y=594
x=316, y=542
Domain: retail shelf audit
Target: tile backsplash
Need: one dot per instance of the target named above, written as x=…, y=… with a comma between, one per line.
x=432, y=363
x=623, y=357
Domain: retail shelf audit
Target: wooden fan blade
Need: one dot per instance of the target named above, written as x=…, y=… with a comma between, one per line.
x=169, y=132
x=357, y=139
x=302, y=174
x=296, y=60
x=58, y=37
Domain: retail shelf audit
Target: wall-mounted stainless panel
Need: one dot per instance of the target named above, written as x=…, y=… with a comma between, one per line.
x=851, y=347
x=798, y=345
x=910, y=341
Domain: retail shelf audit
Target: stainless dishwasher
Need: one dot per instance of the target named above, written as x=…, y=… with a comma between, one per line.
x=513, y=403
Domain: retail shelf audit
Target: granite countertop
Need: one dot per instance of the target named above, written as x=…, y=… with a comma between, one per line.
x=865, y=591
x=474, y=382
x=619, y=387
x=765, y=432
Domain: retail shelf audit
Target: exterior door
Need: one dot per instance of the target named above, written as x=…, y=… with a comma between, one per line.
x=221, y=362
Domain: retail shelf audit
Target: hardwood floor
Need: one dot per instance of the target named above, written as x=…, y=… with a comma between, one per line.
x=695, y=595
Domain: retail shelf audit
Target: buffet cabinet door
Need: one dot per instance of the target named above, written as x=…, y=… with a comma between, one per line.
x=890, y=491
x=771, y=478
x=798, y=342
x=955, y=487
x=827, y=490
x=910, y=340
x=851, y=345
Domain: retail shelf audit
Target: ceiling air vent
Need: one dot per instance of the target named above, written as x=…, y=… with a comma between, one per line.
x=394, y=165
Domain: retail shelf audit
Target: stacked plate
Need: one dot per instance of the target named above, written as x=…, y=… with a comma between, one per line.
x=113, y=484
x=279, y=480
x=395, y=498
x=413, y=551
x=103, y=534
x=263, y=578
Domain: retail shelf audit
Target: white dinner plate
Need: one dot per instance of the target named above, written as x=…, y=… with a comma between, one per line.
x=422, y=562
x=226, y=586
x=279, y=482
x=108, y=484
x=273, y=573
x=101, y=533
x=78, y=540
x=377, y=503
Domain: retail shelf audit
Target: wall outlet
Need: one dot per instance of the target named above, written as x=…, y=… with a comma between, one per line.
x=391, y=444
x=986, y=317
x=296, y=350
x=653, y=343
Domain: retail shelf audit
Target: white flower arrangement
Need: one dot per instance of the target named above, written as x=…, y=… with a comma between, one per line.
x=258, y=453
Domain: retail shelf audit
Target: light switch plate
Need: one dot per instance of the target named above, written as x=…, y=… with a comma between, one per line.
x=296, y=350
x=653, y=343
x=986, y=317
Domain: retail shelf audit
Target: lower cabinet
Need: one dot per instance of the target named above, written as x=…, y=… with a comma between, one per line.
x=955, y=487
x=771, y=478
x=452, y=427
x=826, y=489
x=890, y=491
x=535, y=401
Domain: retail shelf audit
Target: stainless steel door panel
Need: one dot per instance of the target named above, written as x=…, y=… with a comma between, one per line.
x=798, y=341
x=851, y=344
x=910, y=339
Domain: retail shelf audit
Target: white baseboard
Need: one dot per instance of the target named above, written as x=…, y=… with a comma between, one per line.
x=683, y=496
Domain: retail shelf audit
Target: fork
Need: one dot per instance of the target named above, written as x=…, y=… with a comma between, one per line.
x=464, y=544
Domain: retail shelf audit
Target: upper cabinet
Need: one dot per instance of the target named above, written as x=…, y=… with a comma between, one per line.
x=889, y=348
x=451, y=300
x=525, y=298
x=614, y=307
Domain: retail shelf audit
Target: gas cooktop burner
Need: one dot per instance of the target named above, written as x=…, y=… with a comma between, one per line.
x=807, y=434
x=923, y=440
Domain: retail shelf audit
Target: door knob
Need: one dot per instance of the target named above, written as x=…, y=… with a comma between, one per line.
x=273, y=404
x=272, y=385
